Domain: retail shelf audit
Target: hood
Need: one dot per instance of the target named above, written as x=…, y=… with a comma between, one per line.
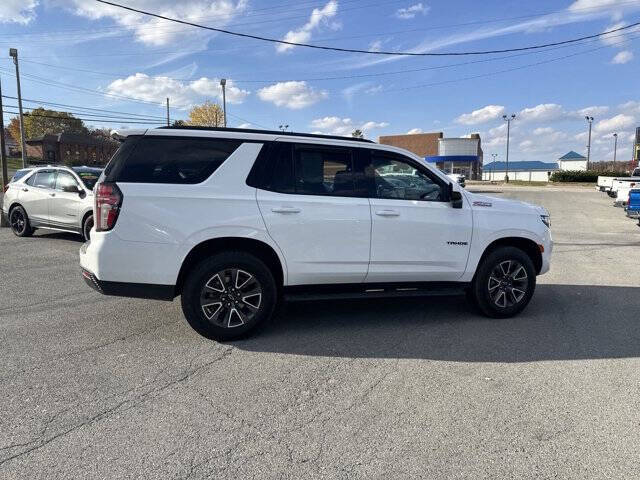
x=485, y=202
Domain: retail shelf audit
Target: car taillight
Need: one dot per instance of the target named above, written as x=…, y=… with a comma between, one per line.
x=108, y=199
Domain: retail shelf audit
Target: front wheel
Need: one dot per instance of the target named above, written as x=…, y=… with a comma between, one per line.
x=229, y=295
x=19, y=222
x=504, y=283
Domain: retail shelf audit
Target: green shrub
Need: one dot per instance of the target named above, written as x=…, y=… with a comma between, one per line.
x=583, y=176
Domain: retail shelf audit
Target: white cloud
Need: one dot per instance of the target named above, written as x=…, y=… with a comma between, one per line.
x=154, y=31
x=594, y=111
x=543, y=131
x=484, y=114
x=181, y=94
x=542, y=112
x=244, y=125
x=375, y=46
x=594, y=4
x=293, y=95
x=17, y=11
x=414, y=131
x=410, y=12
x=613, y=124
x=303, y=34
x=344, y=126
x=622, y=57
x=614, y=38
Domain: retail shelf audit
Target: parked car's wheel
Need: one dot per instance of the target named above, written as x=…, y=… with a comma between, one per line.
x=229, y=295
x=86, y=228
x=19, y=221
x=504, y=282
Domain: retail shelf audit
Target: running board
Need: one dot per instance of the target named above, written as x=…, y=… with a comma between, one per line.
x=349, y=292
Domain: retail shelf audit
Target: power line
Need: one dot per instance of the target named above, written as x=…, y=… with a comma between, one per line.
x=85, y=119
x=354, y=50
x=347, y=77
x=97, y=116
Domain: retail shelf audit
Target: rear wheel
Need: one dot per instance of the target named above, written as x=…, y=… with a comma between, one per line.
x=19, y=222
x=229, y=295
x=504, y=283
x=86, y=228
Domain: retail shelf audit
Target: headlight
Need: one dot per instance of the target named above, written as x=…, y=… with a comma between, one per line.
x=546, y=219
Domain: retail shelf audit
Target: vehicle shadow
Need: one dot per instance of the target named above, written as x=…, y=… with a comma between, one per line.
x=53, y=235
x=562, y=322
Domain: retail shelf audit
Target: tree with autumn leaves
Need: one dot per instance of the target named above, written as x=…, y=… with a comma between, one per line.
x=40, y=121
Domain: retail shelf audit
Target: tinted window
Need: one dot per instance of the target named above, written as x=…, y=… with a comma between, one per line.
x=43, y=179
x=88, y=177
x=65, y=180
x=396, y=178
x=323, y=171
x=174, y=160
x=280, y=171
x=121, y=155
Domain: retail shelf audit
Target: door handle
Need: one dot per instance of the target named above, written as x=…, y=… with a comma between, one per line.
x=388, y=213
x=25, y=189
x=52, y=194
x=285, y=210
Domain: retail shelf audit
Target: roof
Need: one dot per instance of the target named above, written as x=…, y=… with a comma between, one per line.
x=267, y=132
x=520, y=166
x=69, y=138
x=572, y=156
x=422, y=144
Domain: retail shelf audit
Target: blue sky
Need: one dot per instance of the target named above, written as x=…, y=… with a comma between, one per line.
x=82, y=53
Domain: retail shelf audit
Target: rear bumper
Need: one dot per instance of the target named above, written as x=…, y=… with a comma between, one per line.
x=126, y=289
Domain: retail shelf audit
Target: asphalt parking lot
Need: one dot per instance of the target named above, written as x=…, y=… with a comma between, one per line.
x=99, y=387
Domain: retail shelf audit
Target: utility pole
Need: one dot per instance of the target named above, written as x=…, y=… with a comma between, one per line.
x=615, y=148
x=13, y=52
x=589, y=121
x=168, y=120
x=3, y=156
x=493, y=164
x=508, y=120
x=223, y=83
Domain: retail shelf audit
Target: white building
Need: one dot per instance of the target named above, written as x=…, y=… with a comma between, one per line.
x=572, y=161
x=533, y=171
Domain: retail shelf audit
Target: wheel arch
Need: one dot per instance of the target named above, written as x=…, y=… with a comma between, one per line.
x=205, y=249
x=527, y=245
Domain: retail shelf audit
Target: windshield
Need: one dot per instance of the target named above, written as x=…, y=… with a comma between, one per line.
x=89, y=177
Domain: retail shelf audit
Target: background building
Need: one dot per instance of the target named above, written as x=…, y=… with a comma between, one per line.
x=572, y=161
x=451, y=155
x=71, y=149
x=534, y=171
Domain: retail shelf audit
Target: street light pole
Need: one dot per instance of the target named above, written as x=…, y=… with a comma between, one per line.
x=615, y=148
x=508, y=120
x=223, y=84
x=589, y=121
x=13, y=52
x=493, y=164
x=168, y=119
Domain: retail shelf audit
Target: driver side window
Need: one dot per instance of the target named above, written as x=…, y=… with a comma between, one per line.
x=400, y=180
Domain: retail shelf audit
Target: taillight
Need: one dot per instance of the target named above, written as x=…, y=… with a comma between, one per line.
x=108, y=199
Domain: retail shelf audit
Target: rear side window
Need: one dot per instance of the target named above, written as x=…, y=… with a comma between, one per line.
x=42, y=179
x=172, y=160
x=18, y=175
x=321, y=171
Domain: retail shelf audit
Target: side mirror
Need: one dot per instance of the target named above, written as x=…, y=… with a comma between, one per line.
x=455, y=197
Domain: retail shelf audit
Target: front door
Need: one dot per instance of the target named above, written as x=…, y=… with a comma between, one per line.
x=314, y=212
x=416, y=234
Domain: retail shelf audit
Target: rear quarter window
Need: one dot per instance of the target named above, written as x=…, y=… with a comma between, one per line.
x=171, y=160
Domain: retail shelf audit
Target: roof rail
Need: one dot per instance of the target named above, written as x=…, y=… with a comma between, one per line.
x=267, y=132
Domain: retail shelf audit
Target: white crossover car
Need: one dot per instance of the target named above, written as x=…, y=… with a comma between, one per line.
x=55, y=198
x=233, y=220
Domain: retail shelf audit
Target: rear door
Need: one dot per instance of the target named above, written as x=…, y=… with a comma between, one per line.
x=416, y=234
x=36, y=193
x=65, y=205
x=317, y=212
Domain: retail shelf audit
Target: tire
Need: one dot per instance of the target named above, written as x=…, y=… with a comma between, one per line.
x=86, y=228
x=504, y=283
x=19, y=221
x=229, y=295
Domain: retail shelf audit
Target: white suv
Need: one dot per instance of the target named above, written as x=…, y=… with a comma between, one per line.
x=233, y=220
